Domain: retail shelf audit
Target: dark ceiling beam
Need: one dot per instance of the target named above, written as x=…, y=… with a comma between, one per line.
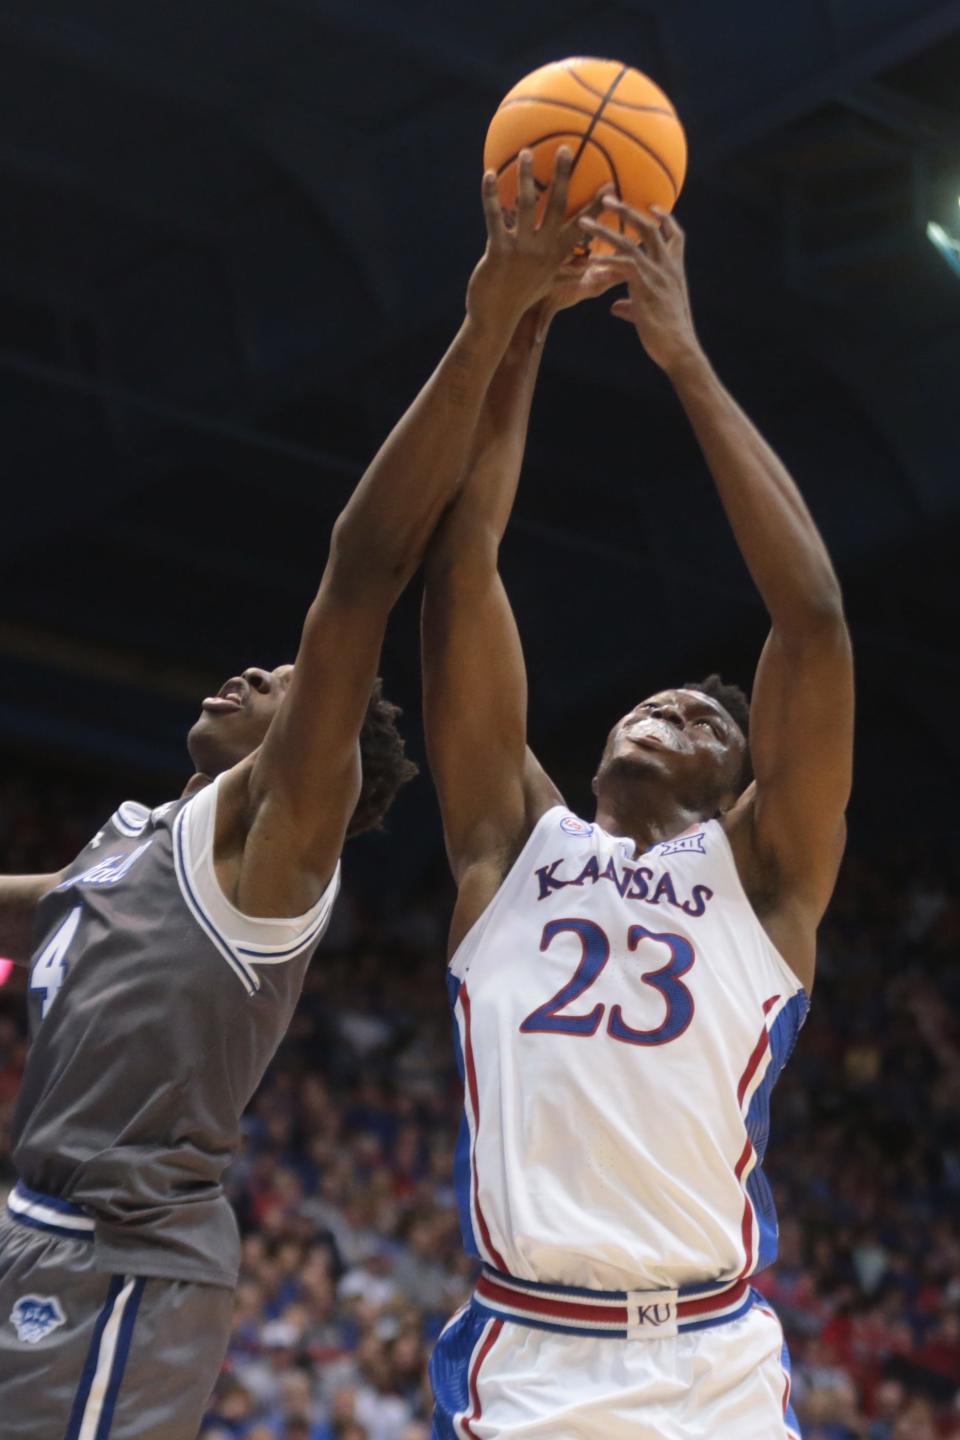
x=60, y=378
x=38, y=646
x=831, y=82
x=52, y=172
x=185, y=77
x=395, y=31
x=921, y=123
x=35, y=516
x=276, y=125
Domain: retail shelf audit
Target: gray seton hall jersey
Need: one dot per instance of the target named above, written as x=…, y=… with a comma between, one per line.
x=155, y=1007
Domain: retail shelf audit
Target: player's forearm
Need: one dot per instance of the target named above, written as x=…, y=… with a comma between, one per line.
x=775, y=531
x=394, y=510
x=19, y=897
x=481, y=510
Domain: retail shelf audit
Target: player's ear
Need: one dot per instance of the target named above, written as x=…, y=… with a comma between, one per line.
x=595, y=784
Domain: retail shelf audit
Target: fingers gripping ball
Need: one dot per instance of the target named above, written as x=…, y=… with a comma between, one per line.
x=621, y=128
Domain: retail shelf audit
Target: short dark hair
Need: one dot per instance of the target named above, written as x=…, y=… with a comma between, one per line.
x=383, y=761
x=737, y=706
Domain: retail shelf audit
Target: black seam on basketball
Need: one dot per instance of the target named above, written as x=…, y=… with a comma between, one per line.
x=547, y=100
x=550, y=135
x=615, y=177
x=626, y=104
x=596, y=115
x=568, y=105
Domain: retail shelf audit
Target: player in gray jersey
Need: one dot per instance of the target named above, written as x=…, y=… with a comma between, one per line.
x=166, y=961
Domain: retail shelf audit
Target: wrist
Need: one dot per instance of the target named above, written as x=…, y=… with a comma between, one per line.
x=688, y=365
x=531, y=331
x=487, y=336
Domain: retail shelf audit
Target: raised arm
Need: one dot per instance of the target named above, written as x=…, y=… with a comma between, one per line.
x=491, y=788
x=789, y=833
x=474, y=677
x=304, y=782
x=19, y=897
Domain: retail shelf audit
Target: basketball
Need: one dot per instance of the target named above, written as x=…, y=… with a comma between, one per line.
x=620, y=126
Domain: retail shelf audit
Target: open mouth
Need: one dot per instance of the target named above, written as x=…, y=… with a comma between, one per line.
x=230, y=696
x=655, y=732
x=220, y=704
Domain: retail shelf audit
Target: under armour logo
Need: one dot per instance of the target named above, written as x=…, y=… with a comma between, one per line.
x=35, y=1316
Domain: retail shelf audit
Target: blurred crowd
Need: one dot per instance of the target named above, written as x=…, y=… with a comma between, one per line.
x=351, y=1252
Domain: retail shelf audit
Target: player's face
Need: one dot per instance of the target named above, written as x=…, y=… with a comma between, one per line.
x=234, y=721
x=686, y=738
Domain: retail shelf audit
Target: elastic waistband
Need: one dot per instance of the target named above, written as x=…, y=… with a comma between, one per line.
x=627, y=1314
x=48, y=1212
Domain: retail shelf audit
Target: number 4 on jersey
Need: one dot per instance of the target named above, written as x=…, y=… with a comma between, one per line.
x=50, y=971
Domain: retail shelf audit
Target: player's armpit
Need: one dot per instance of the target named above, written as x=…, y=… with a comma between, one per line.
x=801, y=742
x=305, y=781
x=19, y=897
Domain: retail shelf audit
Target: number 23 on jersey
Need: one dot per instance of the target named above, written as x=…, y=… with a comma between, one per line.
x=594, y=954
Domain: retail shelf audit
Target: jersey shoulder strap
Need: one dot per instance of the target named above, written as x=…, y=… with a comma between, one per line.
x=248, y=940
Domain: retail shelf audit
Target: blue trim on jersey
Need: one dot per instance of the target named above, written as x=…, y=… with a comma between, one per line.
x=783, y=1037
x=462, y=1155
x=269, y=954
x=48, y=1229
x=93, y=1355
x=247, y=975
x=450, y=1371
x=53, y=1202
x=120, y=1356
x=793, y=1424
x=689, y=1327
x=790, y=1419
x=620, y=1297
x=130, y=829
x=555, y=1327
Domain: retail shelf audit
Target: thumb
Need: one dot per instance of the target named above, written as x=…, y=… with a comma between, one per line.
x=622, y=309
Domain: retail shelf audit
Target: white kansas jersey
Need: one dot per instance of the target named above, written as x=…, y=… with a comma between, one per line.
x=621, y=1020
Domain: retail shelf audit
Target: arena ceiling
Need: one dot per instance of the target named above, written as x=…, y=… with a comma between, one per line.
x=234, y=239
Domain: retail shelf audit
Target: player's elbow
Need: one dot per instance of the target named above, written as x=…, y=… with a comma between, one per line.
x=461, y=557
x=367, y=557
x=817, y=627
x=816, y=611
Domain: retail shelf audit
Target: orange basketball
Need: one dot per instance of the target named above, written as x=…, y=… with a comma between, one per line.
x=618, y=123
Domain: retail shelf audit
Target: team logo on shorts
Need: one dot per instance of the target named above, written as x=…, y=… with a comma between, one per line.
x=573, y=826
x=35, y=1316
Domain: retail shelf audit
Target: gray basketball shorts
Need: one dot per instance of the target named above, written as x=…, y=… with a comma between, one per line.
x=89, y=1356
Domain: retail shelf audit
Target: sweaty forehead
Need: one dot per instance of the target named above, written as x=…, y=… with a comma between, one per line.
x=684, y=700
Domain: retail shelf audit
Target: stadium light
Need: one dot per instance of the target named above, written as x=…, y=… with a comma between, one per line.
x=943, y=241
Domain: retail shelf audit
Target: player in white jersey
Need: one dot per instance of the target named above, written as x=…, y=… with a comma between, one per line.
x=626, y=989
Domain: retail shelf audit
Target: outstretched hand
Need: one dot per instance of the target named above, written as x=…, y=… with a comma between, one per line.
x=520, y=264
x=657, y=302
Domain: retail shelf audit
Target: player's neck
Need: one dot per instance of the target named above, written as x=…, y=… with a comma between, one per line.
x=645, y=814
x=196, y=783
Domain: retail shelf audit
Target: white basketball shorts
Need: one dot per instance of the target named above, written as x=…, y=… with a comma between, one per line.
x=501, y=1379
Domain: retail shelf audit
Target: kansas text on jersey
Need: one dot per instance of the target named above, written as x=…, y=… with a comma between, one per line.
x=620, y=1022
